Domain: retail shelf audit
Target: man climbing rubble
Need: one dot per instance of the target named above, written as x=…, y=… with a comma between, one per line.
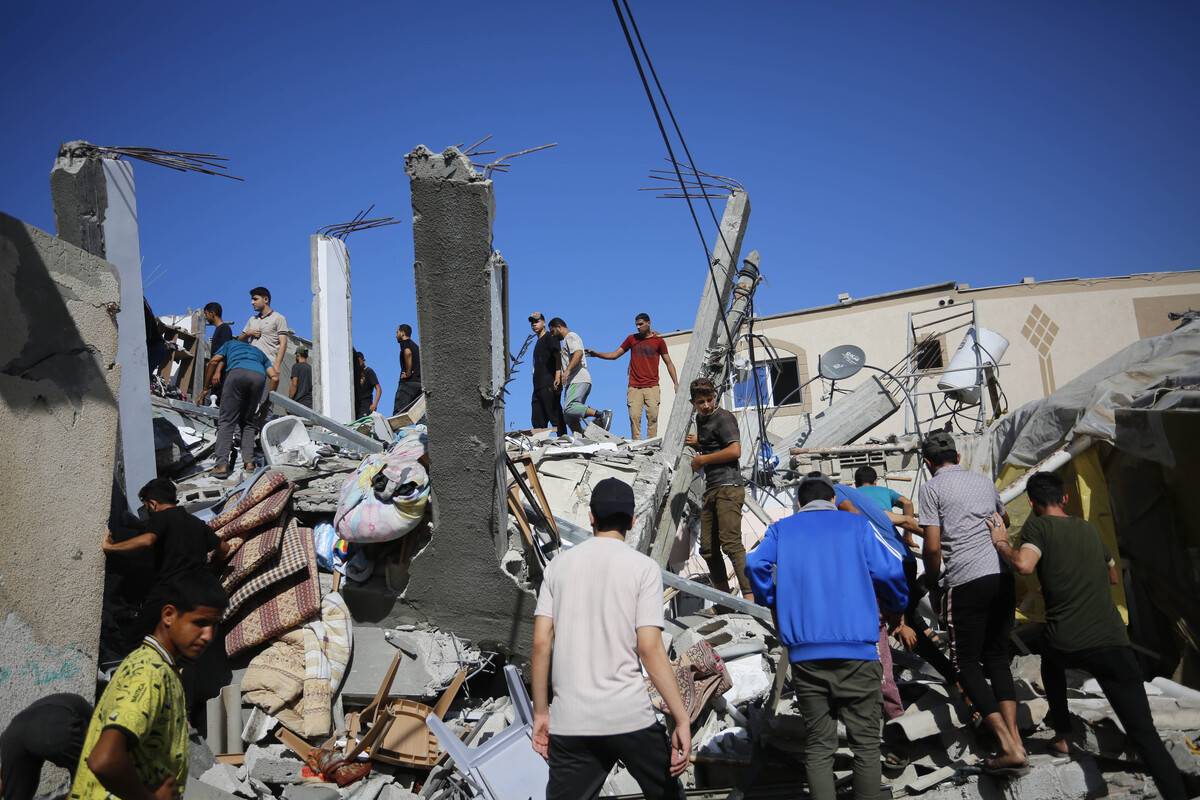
x=267, y=330
x=980, y=596
x=1083, y=627
x=826, y=574
x=599, y=621
x=246, y=370
x=575, y=379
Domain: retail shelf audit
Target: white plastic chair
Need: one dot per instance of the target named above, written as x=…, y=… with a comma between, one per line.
x=505, y=767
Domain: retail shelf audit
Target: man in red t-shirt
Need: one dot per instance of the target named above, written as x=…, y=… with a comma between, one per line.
x=645, y=349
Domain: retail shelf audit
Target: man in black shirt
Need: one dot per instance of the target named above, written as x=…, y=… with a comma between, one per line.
x=409, y=388
x=178, y=541
x=1083, y=628
x=547, y=366
x=366, y=387
x=720, y=445
x=222, y=333
x=301, y=388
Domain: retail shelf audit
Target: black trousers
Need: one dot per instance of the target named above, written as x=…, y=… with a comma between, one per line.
x=580, y=764
x=1116, y=670
x=51, y=729
x=547, y=409
x=407, y=393
x=925, y=648
x=979, y=615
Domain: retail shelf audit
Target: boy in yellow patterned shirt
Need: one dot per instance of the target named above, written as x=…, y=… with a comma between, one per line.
x=136, y=746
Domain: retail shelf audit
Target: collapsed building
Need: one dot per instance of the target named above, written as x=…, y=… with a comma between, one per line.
x=402, y=555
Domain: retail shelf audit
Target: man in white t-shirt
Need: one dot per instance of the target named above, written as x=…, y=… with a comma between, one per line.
x=575, y=379
x=267, y=330
x=599, y=619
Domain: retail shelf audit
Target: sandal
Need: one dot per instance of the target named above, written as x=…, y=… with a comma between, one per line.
x=1007, y=771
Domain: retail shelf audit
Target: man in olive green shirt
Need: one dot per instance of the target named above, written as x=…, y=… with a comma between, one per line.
x=136, y=747
x=1083, y=629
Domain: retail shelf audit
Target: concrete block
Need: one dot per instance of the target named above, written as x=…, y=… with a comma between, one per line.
x=58, y=427
x=270, y=764
x=312, y=791
x=437, y=656
x=1048, y=780
x=198, y=790
x=225, y=778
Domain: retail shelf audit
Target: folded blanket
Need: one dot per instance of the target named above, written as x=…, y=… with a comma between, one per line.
x=274, y=679
x=700, y=674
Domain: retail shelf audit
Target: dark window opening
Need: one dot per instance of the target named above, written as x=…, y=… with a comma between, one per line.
x=929, y=354
x=778, y=384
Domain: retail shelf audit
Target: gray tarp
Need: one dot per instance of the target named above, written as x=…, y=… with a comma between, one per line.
x=1087, y=405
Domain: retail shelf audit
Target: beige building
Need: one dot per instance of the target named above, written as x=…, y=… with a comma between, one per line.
x=1055, y=330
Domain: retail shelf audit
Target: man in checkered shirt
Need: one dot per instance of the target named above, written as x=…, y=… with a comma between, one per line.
x=980, y=597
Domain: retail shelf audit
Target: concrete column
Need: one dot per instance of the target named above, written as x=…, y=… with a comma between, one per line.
x=95, y=208
x=58, y=432
x=461, y=291
x=333, y=380
x=705, y=332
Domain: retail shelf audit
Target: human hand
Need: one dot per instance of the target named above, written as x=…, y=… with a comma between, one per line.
x=697, y=463
x=107, y=544
x=589, y=351
x=691, y=440
x=557, y=383
x=907, y=636
x=998, y=529
x=373, y=407
x=541, y=734
x=681, y=746
x=166, y=790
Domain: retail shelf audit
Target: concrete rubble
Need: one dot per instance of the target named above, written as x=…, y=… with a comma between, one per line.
x=437, y=611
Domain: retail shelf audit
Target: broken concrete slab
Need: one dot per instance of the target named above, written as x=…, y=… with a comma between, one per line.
x=312, y=791
x=431, y=659
x=333, y=353
x=58, y=427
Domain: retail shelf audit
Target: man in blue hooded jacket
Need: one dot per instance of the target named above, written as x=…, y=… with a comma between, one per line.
x=826, y=574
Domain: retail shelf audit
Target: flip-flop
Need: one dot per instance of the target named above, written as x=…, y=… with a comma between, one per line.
x=1011, y=771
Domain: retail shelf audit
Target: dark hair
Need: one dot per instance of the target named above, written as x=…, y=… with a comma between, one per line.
x=160, y=490
x=406, y=329
x=701, y=387
x=1045, y=489
x=558, y=322
x=301, y=352
x=865, y=475
x=213, y=308
x=940, y=457
x=814, y=489
x=615, y=522
x=642, y=316
x=357, y=355
x=261, y=291
x=187, y=591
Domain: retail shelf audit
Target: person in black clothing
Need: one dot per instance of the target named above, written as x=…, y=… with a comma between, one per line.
x=366, y=387
x=409, y=388
x=301, y=382
x=222, y=333
x=547, y=366
x=1083, y=628
x=51, y=729
x=178, y=540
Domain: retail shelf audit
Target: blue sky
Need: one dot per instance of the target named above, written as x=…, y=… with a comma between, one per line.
x=884, y=145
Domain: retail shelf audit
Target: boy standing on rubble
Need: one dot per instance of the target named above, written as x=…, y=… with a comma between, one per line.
x=980, y=596
x=1083, y=628
x=136, y=746
x=826, y=574
x=599, y=619
x=645, y=349
x=720, y=445
x=575, y=379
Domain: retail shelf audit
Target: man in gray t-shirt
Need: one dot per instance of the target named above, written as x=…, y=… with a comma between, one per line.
x=575, y=379
x=599, y=622
x=980, y=597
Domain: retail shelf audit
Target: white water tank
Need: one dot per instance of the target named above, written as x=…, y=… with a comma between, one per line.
x=959, y=380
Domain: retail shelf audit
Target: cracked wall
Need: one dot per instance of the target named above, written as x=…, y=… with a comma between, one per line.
x=58, y=433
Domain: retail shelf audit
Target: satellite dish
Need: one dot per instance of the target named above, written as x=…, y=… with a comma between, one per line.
x=841, y=362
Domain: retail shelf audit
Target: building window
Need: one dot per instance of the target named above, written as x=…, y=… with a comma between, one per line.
x=929, y=354
x=778, y=383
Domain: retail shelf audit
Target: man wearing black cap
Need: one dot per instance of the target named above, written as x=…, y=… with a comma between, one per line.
x=547, y=376
x=599, y=620
x=980, y=597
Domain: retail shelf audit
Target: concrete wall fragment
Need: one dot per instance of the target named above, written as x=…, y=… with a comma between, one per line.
x=333, y=380
x=58, y=434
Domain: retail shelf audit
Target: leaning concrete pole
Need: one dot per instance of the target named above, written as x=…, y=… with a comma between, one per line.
x=332, y=356
x=683, y=479
x=714, y=299
x=456, y=581
x=95, y=209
